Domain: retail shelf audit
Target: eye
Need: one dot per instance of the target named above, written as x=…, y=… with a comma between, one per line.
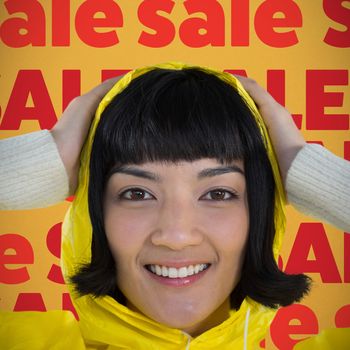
x=219, y=194
x=136, y=194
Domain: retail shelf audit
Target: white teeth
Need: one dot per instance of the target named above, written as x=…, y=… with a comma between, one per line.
x=158, y=270
x=173, y=272
x=165, y=271
x=182, y=272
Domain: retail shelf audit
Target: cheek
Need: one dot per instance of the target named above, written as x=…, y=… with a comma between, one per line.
x=228, y=228
x=229, y=234
x=127, y=230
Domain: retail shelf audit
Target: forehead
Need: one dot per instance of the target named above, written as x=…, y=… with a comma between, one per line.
x=195, y=165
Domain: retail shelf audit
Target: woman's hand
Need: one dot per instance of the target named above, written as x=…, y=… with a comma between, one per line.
x=286, y=138
x=72, y=128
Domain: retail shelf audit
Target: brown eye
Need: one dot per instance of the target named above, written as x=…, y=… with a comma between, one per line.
x=219, y=195
x=136, y=194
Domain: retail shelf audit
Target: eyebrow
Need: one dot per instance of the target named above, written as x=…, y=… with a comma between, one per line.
x=129, y=170
x=210, y=172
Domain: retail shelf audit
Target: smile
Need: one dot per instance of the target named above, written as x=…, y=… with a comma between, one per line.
x=173, y=272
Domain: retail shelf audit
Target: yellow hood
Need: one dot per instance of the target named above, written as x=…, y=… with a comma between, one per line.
x=103, y=320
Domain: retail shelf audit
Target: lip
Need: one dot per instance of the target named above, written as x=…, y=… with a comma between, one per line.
x=179, y=263
x=180, y=281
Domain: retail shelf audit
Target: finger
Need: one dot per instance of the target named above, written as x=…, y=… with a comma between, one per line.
x=100, y=90
x=260, y=96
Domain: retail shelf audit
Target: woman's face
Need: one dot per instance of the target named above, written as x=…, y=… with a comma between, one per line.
x=177, y=232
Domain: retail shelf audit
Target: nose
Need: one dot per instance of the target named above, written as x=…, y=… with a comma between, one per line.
x=177, y=226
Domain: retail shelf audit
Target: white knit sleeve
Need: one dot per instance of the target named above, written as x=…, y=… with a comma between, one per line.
x=318, y=184
x=32, y=174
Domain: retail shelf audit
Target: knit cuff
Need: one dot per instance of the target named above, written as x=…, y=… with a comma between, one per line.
x=318, y=184
x=32, y=174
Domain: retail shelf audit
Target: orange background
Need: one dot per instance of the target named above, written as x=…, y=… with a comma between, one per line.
x=310, y=53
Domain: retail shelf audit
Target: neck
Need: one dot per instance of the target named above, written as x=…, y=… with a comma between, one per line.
x=221, y=314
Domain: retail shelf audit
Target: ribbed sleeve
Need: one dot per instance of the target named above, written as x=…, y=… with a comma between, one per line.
x=318, y=184
x=32, y=174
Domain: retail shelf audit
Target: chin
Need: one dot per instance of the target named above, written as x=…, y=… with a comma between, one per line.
x=191, y=319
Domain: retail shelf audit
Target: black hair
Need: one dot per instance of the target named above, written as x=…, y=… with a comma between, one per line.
x=185, y=115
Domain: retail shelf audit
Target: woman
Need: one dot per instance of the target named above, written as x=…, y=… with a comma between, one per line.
x=221, y=243
x=150, y=162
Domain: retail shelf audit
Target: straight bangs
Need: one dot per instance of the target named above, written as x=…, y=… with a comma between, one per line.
x=167, y=115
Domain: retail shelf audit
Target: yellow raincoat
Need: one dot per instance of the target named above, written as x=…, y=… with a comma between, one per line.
x=106, y=324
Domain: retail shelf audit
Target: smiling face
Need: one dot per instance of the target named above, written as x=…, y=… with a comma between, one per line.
x=170, y=230
x=177, y=232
